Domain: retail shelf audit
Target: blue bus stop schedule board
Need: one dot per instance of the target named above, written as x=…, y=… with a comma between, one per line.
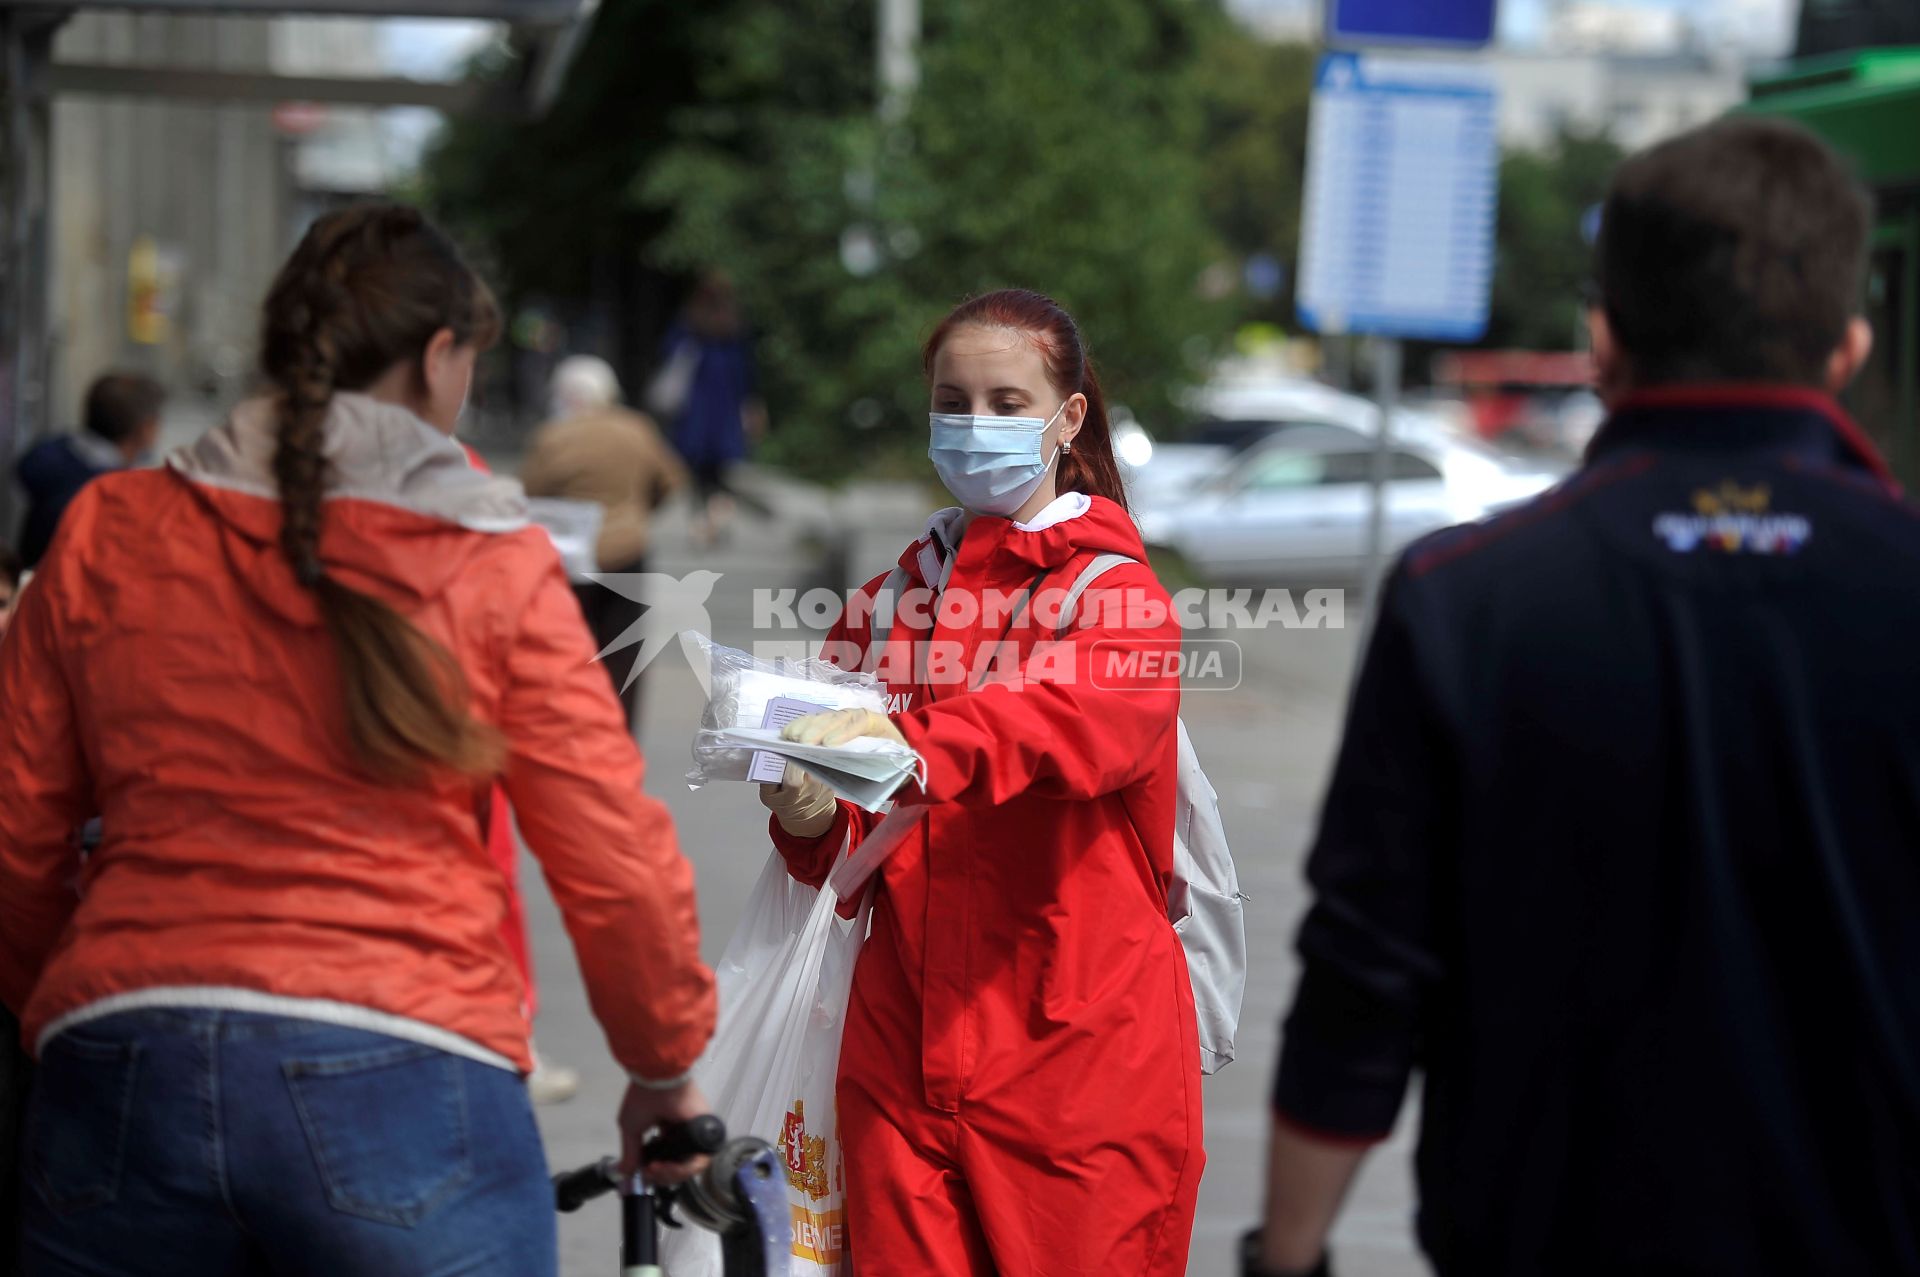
x=1403, y=173
x=1459, y=23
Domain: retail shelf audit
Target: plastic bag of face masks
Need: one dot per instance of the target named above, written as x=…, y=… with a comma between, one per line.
x=742, y=689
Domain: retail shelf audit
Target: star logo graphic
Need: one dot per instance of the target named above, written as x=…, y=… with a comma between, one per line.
x=671, y=603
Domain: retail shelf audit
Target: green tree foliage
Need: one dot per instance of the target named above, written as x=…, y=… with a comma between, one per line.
x=1031, y=155
x=1054, y=146
x=1544, y=262
x=771, y=159
x=1058, y=147
x=1256, y=98
x=545, y=196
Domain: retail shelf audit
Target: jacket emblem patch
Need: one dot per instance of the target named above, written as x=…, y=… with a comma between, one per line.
x=1731, y=519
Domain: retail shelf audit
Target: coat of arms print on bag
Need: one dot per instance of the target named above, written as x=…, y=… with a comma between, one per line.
x=816, y=1172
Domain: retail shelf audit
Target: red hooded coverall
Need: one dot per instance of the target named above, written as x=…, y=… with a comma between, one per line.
x=1019, y=1081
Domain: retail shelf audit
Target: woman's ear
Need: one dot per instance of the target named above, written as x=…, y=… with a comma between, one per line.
x=436, y=362
x=446, y=378
x=1073, y=415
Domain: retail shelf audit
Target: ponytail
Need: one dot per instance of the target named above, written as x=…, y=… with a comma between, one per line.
x=367, y=289
x=1089, y=466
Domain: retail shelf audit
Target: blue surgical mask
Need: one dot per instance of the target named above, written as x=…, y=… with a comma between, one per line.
x=991, y=465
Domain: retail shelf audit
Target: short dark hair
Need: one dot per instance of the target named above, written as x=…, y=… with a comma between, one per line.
x=120, y=403
x=9, y=565
x=1734, y=252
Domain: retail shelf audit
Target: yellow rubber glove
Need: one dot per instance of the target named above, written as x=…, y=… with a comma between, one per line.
x=840, y=726
x=803, y=805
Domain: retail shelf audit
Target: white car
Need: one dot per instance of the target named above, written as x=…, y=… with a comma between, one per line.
x=1239, y=410
x=1296, y=506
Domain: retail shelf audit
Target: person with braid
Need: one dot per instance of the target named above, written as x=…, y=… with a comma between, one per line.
x=278, y=1024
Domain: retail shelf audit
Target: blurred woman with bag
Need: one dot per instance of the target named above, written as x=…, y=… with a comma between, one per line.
x=1019, y=1088
x=278, y=1024
x=707, y=394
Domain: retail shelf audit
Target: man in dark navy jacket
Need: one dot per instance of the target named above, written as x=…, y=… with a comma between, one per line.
x=1622, y=851
x=122, y=424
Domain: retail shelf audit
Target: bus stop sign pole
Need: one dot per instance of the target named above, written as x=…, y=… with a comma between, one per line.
x=1386, y=387
x=1398, y=220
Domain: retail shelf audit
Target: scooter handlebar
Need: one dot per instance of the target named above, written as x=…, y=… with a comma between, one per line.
x=684, y=1141
x=574, y=1189
x=675, y=1142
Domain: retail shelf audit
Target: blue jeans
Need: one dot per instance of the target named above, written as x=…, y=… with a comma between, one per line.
x=189, y=1143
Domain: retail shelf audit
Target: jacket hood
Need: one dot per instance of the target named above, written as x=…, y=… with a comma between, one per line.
x=400, y=504
x=1001, y=545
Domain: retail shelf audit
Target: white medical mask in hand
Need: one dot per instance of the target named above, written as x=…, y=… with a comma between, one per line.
x=991, y=465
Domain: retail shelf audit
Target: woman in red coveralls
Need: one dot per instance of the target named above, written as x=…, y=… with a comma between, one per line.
x=1019, y=1081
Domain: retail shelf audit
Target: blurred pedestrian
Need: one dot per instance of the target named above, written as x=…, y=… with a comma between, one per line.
x=709, y=394
x=1019, y=1084
x=282, y=670
x=1621, y=847
x=596, y=450
x=120, y=427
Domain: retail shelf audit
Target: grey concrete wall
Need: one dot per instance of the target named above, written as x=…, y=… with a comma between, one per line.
x=209, y=182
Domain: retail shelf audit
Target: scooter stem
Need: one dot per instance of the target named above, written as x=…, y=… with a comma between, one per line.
x=639, y=1230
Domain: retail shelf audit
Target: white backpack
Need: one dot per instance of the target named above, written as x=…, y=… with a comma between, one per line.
x=1205, y=905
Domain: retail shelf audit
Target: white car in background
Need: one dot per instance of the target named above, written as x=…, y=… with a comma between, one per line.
x=1235, y=412
x=1295, y=505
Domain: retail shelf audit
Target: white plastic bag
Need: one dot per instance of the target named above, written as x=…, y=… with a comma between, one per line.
x=785, y=981
x=770, y=1070
x=671, y=385
x=574, y=527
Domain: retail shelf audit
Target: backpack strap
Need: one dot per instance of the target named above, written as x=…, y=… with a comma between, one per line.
x=886, y=604
x=1099, y=567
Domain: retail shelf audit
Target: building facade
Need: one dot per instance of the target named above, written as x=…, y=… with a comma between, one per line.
x=169, y=217
x=1636, y=99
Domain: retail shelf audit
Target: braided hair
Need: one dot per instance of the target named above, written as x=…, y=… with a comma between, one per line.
x=368, y=289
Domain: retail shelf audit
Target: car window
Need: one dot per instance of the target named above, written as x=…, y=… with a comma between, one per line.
x=1407, y=465
x=1280, y=470
x=1230, y=434
x=1348, y=467
x=1249, y=432
x=1357, y=467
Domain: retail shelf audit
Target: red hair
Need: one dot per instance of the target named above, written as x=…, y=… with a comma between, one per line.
x=1090, y=467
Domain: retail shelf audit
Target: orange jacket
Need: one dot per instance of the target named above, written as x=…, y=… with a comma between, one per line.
x=167, y=673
